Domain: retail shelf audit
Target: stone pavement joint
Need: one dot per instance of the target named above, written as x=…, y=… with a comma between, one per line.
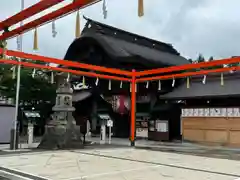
x=124, y=163
x=113, y=173
x=20, y=174
x=162, y=164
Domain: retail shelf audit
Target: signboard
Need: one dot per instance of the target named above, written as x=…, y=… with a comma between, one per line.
x=104, y=116
x=32, y=114
x=151, y=125
x=211, y=112
x=80, y=86
x=161, y=126
x=141, y=128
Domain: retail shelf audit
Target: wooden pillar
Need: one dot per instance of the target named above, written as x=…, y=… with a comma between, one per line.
x=133, y=108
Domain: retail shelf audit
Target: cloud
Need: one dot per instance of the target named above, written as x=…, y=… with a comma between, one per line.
x=210, y=27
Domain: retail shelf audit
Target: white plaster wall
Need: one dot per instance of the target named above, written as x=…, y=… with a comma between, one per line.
x=6, y=123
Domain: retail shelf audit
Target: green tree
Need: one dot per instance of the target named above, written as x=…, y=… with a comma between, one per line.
x=200, y=58
x=211, y=58
x=35, y=91
x=233, y=64
x=32, y=89
x=190, y=60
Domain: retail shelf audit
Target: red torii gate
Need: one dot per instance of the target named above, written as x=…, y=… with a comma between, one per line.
x=132, y=77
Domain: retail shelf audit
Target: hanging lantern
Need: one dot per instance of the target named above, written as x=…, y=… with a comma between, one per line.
x=121, y=104
x=109, y=85
x=104, y=9
x=147, y=85
x=222, y=80
x=35, y=40
x=78, y=30
x=159, y=85
x=121, y=84
x=204, y=79
x=188, y=82
x=140, y=8
x=173, y=82
x=97, y=81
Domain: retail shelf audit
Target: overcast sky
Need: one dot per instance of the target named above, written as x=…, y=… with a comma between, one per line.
x=210, y=27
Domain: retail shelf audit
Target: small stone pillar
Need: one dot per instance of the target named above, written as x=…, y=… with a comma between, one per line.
x=30, y=135
x=103, y=132
x=88, y=128
x=62, y=131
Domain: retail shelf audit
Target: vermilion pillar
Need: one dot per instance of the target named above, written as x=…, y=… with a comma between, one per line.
x=133, y=108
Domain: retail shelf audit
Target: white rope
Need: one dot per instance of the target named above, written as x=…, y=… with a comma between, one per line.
x=13, y=69
x=159, y=85
x=109, y=85
x=97, y=81
x=121, y=84
x=173, y=82
x=68, y=77
x=33, y=73
x=204, y=79
x=52, y=77
x=147, y=85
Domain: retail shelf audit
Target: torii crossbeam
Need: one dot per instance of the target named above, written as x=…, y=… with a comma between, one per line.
x=35, y=9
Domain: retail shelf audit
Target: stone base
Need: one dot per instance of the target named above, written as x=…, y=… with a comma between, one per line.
x=12, y=147
x=61, y=137
x=132, y=143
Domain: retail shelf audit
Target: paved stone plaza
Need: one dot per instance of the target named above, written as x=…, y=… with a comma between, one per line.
x=120, y=164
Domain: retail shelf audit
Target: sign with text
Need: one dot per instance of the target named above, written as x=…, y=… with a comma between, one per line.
x=211, y=112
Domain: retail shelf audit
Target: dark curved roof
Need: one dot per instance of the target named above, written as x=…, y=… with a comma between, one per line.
x=120, y=44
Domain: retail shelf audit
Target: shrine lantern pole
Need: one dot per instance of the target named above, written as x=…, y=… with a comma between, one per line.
x=15, y=126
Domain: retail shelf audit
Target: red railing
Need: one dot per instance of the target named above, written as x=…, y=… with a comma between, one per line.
x=132, y=77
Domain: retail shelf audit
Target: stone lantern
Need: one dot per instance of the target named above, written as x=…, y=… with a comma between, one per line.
x=61, y=131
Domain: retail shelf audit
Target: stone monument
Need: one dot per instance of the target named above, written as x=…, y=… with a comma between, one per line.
x=61, y=131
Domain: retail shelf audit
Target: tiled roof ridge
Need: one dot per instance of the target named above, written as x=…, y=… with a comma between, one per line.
x=108, y=30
